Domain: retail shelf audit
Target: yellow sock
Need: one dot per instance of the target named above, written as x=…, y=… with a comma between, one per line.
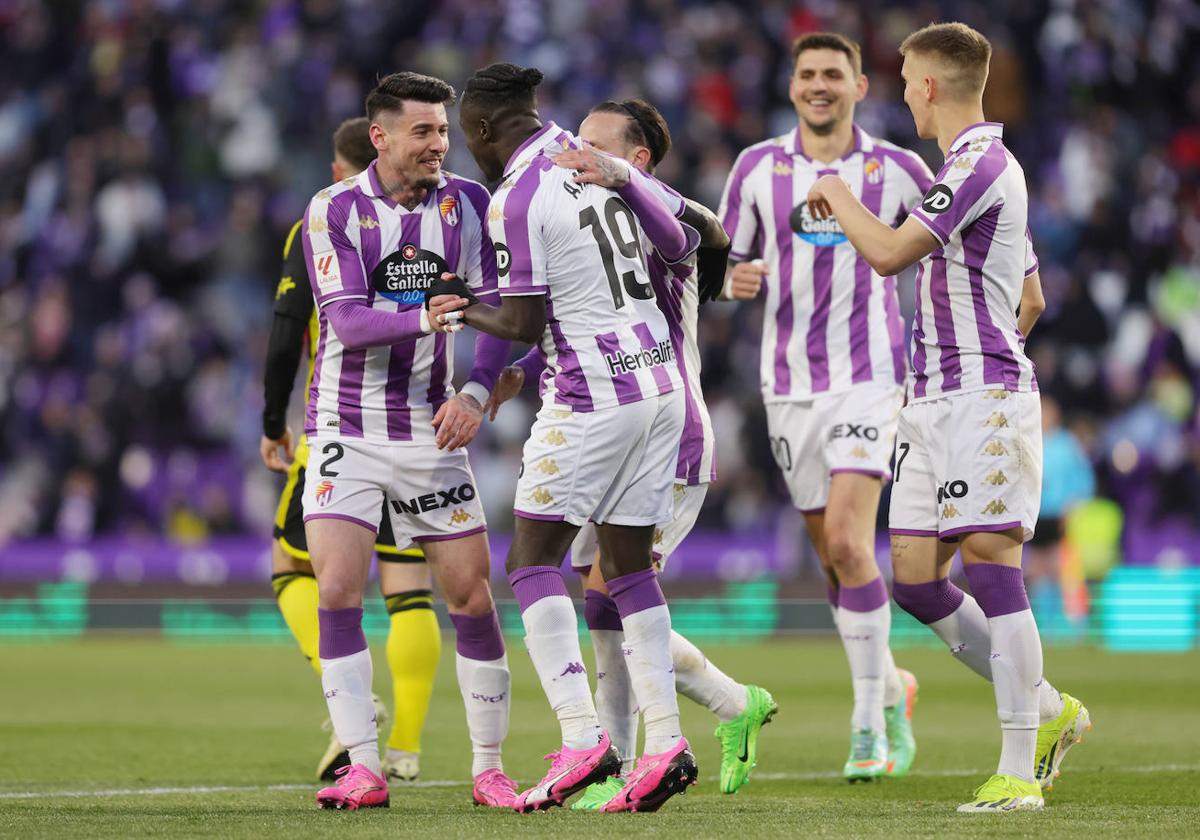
x=296, y=593
x=414, y=646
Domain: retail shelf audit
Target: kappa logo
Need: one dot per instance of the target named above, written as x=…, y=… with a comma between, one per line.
x=782, y=169
x=449, y=208
x=995, y=394
x=996, y=478
x=547, y=466
x=658, y=536
x=436, y=500
x=997, y=420
x=995, y=448
x=495, y=213
x=950, y=512
x=317, y=225
x=460, y=517
x=367, y=222
x=324, y=492
x=860, y=453
x=325, y=194
x=573, y=668
x=938, y=199
x=995, y=507
x=554, y=437
x=542, y=496
x=558, y=414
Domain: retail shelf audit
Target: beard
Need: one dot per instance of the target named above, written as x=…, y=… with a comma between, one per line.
x=427, y=182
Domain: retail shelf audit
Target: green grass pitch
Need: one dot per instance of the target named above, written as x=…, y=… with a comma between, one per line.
x=142, y=737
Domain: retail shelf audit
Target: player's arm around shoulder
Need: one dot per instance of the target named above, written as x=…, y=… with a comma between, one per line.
x=887, y=250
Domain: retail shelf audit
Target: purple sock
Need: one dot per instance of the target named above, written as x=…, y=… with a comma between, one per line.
x=1000, y=590
x=928, y=602
x=478, y=636
x=865, y=598
x=341, y=632
x=636, y=592
x=533, y=583
x=600, y=611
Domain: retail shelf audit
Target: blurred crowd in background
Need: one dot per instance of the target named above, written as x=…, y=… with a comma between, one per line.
x=154, y=153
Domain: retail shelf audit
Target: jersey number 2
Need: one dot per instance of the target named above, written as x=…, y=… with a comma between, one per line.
x=612, y=233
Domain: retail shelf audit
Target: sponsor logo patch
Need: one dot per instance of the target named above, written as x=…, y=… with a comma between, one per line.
x=436, y=500
x=952, y=490
x=503, y=259
x=329, y=273
x=938, y=199
x=406, y=274
x=824, y=233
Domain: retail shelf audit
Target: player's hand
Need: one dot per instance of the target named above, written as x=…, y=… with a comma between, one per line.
x=745, y=281
x=268, y=450
x=818, y=196
x=593, y=167
x=508, y=384
x=457, y=421
x=445, y=313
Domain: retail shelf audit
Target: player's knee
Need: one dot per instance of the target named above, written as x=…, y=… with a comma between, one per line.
x=847, y=551
x=476, y=600
x=338, y=594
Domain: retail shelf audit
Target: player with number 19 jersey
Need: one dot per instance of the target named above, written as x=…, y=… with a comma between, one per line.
x=606, y=344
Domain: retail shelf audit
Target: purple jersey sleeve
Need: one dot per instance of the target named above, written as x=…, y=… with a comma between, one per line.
x=357, y=325
x=737, y=212
x=335, y=268
x=480, y=255
x=1031, y=258
x=959, y=193
x=666, y=233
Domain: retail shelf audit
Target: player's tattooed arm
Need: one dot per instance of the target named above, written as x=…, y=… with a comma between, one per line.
x=713, y=254
x=888, y=250
x=712, y=234
x=1032, y=303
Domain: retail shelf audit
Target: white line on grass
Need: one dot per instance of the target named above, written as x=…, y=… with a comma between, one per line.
x=441, y=783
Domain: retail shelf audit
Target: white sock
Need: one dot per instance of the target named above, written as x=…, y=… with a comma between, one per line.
x=703, y=682
x=615, y=704
x=965, y=631
x=486, y=693
x=347, y=684
x=1016, y=671
x=865, y=638
x=553, y=643
x=648, y=658
x=1050, y=702
x=893, y=688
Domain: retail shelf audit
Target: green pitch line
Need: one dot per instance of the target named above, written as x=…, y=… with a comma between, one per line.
x=123, y=737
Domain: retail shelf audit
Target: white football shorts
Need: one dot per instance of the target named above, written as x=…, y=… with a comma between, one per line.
x=968, y=462
x=851, y=431
x=686, y=502
x=430, y=493
x=615, y=465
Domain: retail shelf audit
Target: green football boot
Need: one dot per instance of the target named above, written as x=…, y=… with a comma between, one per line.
x=1001, y=794
x=1057, y=736
x=598, y=793
x=868, y=756
x=739, y=738
x=902, y=746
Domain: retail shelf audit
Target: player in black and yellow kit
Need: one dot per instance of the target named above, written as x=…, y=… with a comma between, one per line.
x=414, y=641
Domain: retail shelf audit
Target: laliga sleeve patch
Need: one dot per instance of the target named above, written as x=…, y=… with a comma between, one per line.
x=938, y=199
x=406, y=274
x=329, y=272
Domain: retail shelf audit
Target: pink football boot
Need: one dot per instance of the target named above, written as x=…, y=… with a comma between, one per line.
x=655, y=780
x=357, y=787
x=570, y=772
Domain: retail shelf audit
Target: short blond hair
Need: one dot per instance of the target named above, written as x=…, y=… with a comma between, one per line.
x=958, y=47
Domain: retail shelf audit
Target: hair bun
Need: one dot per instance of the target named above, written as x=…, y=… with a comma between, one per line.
x=532, y=77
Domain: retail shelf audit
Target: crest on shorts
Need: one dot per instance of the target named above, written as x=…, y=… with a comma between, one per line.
x=996, y=507
x=873, y=170
x=449, y=209
x=324, y=492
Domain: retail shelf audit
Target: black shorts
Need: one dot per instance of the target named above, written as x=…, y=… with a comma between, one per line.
x=289, y=519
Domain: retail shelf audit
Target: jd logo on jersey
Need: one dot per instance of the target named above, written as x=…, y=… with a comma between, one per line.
x=824, y=233
x=404, y=275
x=503, y=259
x=938, y=199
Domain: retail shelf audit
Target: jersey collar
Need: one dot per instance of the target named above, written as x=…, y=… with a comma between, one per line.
x=862, y=143
x=549, y=134
x=978, y=131
x=369, y=182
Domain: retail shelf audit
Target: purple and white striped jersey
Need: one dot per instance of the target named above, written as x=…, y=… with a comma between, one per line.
x=361, y=244
x=965, y=334
x=678, y=296
x=606, y=343
x=831, y=322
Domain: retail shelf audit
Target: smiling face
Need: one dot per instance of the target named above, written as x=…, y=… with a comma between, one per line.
x=609, y=133
x=412, y=143
x=824, y=89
